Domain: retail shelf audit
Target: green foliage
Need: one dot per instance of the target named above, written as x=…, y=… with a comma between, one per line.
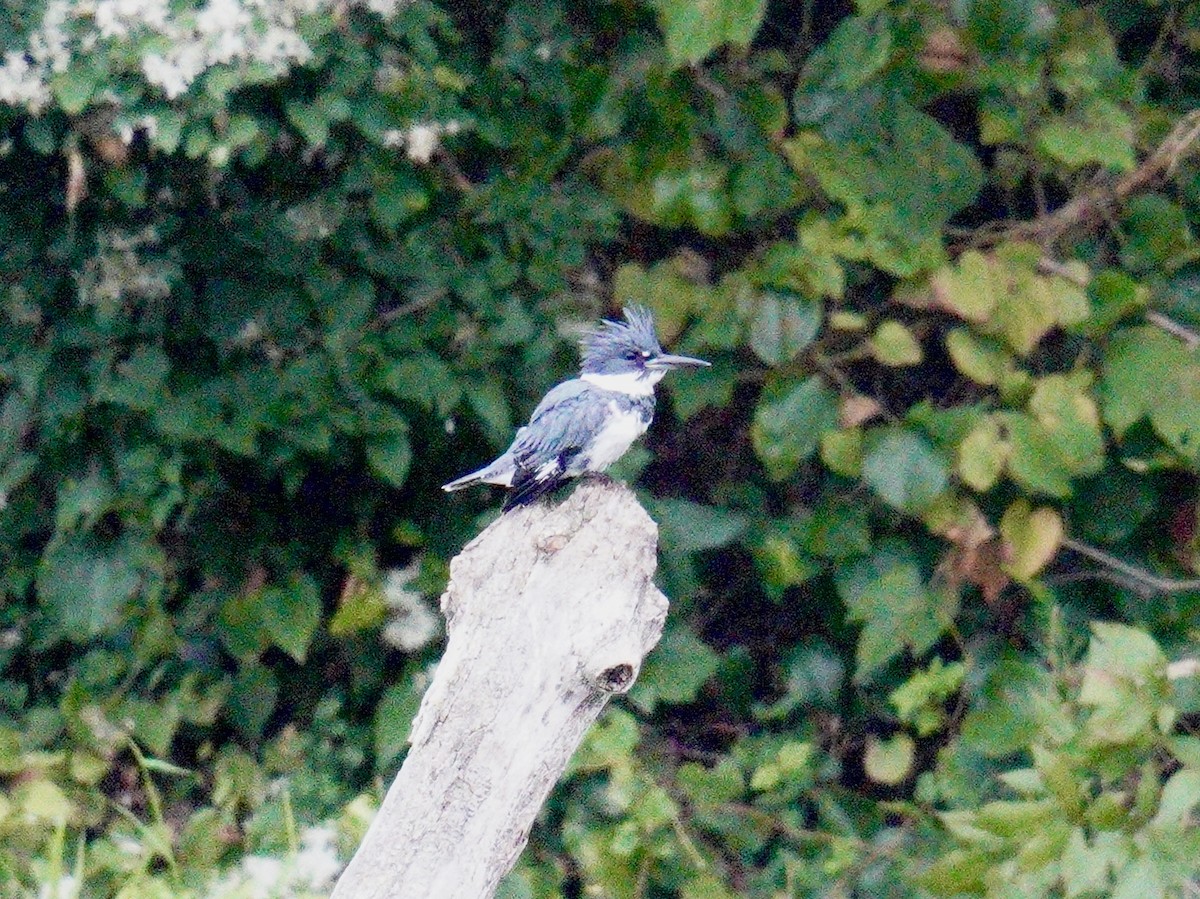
x=1105, y=806
x=271, y=272
x=692, y=30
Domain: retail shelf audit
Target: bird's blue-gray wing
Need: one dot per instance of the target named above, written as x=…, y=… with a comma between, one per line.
x=566, y=418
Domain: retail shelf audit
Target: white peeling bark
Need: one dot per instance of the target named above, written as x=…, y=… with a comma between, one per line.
x=550, y=611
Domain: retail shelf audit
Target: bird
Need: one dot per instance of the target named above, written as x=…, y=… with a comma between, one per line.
x=584, y=425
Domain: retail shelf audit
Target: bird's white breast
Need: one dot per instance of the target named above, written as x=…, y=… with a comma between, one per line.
x=622, y=428
x=630, y=383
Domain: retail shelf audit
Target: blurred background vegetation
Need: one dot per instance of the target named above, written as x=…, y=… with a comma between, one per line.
x=273, y=271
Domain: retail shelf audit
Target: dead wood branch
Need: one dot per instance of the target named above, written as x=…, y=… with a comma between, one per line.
x=550, y=612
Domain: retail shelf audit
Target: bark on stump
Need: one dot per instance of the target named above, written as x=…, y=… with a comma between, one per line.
x=550, y=612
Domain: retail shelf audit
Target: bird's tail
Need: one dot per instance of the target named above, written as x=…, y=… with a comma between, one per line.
x=499, y=472
x=528, y=488
x=459, y=483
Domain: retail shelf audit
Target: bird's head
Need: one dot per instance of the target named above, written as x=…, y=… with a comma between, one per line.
x=630, y=348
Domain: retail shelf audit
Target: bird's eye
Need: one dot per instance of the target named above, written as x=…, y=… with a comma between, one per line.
x=633, y=356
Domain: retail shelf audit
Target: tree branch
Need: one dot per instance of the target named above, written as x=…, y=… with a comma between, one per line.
x=1145, y=582
x=1187, y=335
x=550, y=612
x=1096, y=203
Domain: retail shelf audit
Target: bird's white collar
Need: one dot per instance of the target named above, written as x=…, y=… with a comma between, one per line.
x=628, y=383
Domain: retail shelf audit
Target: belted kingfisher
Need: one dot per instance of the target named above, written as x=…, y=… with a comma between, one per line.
x=586, y=424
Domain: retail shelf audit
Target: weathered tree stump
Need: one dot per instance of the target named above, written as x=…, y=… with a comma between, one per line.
x=550, y=612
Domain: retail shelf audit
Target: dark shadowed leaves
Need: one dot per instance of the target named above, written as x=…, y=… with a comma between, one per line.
x=85, y=582
x=888, y=595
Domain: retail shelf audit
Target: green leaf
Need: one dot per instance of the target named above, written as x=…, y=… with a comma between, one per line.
x=1118, y=650
x=836, y=528
x=1083, y=869
x=822, y=267
x=1028, y=307
x=393, y=718
x=41, y=800
x=694, y=28
x=958, y=872
x=80, y=502
x=706, y=886
x=1150, y=373
x=804, y=267
x=1005, y=716
x=1176, y=418
x=895, y=345
x=792, y=764
x=1032, y=538
x=782, y=325
x=1155, y=231
x=609, y=744
x=1071, y=421
x=1015, y=818
x=167, y=131
x=688, y=527
x=487, y=398
x=675, y=671
x=971, y=288
x=1033, y=460
x=889, y=762
x=361, y=607
x=781, y=563
x=1139, y=880
x=857, y=51
x=898, y=173
x=789, y=421
x=1003, y=27
x=84, y=584
x=667, y=289
x=311, y=120
x=672, y=192
x=652, y=808
x=1124, y=681
x=918, y=701
x=390, y=456
x=1005, y=294
x=398, y=195
x=290, y=615
x=1137, y=362
x=981, y=359
x=815, y=678
x=424, y=379
x=842, y=452
x=41, y=135
x=153, y=725
x=1180, y=796
x=75, y=87
x=887, y=594
x=904, y=469
x=1113, y=505
x=982, y=455
x=137, y=383
x=1103, y=135
x=722, y=783
x=252, y=699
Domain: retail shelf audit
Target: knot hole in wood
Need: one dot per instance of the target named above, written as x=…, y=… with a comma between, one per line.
x=616, y=678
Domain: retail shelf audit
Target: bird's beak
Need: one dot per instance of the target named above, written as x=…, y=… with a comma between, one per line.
x=667, y=361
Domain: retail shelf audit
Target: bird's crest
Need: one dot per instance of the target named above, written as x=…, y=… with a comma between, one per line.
x=614, y=340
